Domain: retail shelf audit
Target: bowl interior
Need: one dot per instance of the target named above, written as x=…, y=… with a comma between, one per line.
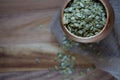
x=86, y=39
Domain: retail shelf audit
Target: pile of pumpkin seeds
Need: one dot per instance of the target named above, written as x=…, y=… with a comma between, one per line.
x=66, y=64
x=84, y=18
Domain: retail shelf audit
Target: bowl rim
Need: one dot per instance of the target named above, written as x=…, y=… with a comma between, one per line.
x=96, y=37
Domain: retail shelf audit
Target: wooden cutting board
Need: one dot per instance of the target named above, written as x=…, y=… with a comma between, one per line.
x=26, y=42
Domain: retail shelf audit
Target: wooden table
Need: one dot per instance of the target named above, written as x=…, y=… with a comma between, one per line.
x=21, y=36
x=26, y=42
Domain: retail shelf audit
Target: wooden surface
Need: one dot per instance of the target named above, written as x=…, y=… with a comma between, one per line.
x=26, y=42
x=21, y=35
x=53, y=75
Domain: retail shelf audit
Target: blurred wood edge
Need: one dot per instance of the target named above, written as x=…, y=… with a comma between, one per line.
x=20, y=6
x=98, y=74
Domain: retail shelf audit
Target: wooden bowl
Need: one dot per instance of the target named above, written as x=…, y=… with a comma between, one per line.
x=101, y=35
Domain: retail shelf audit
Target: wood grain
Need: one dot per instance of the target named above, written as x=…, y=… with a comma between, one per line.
x=34, y=57
x=22, y=39
x=26, y=42
x=25, y=28
x=43, y=75
x=25, y=45
x=21, y=6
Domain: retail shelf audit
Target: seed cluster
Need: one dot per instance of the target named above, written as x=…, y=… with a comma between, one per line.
x=84, y=18
x=66, y=64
